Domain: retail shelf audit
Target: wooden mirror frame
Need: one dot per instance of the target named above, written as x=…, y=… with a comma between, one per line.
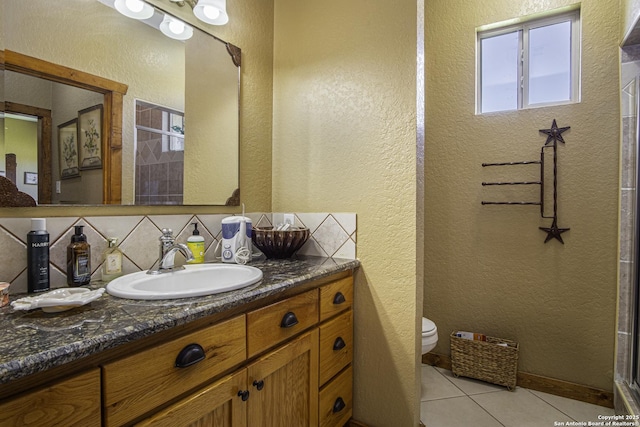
x=113, y=93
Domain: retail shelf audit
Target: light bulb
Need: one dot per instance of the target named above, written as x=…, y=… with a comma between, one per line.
x=211, y=12
x=136, y=9
x=176, y=27
x=134, y=5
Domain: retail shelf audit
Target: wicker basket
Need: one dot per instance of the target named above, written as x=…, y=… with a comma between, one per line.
x=485, y=360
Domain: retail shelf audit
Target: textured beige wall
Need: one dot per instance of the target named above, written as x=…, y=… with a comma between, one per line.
x=344, y=140
x=487, y=268
x=250, y=27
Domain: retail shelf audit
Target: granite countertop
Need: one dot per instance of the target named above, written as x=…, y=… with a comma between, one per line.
x=34, y=341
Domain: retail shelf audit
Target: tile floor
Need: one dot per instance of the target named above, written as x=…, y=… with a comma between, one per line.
x=463, y=402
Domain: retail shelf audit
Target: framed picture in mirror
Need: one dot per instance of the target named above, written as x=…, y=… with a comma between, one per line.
x=90, y=138
x=68, y=149
x=31, y=178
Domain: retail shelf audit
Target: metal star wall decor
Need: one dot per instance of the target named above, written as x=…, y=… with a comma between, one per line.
x=554, y=135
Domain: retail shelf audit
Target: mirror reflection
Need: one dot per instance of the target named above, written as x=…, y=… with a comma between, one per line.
x=187, y=150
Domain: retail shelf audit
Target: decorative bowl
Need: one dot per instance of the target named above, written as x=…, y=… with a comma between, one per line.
x=279, y=243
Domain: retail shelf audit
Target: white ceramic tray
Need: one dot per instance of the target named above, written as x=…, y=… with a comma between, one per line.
x=61, y=299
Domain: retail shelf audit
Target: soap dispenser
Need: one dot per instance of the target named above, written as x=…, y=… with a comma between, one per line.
x=78, y=259
x=195, y=243
x=112, y=261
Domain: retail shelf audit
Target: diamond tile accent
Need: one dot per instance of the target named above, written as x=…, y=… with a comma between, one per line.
x=141, y=246
x=347, y=251
x=347, y=221
x=312, y=248
x=114, y=226
x=330, y=235
x=175, y=222
x=13, y=256
x=264, y=221
x=311, y=220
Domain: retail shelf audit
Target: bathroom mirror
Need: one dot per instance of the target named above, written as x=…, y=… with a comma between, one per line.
x=197, y=79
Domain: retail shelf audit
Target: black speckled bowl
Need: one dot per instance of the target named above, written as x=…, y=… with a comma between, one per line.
x=279, y=243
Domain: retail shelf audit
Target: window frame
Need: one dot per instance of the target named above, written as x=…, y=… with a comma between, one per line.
x=523, y=28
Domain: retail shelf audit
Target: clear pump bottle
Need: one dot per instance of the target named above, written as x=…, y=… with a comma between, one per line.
x=112, y=261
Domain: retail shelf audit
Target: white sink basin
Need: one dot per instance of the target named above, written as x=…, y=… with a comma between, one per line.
x=193, y=281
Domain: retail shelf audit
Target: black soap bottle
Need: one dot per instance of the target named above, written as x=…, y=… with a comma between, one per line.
x=38, y=256
x=78, y=259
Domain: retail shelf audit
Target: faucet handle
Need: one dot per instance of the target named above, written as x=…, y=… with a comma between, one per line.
x=167, y=235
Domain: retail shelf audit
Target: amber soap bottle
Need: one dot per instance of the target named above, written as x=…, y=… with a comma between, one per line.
x=78, y=259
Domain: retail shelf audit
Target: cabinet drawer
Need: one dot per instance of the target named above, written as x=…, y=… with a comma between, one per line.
x=136, y=384
x=270, y=325
x=336, y=345
x=335, y=405
x=72, y=402
x=336, y=297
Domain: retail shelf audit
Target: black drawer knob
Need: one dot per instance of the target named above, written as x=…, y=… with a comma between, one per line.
x=190, y=355
x=258, y=384
x=339, y=298
x=339, y=344
x=339, y=405
x=244, y=395
x=289, y=320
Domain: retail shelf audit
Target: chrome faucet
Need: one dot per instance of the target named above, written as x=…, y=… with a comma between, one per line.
x=168, y=250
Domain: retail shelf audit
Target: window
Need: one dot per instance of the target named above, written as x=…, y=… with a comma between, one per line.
x=531, y=64
x=159, y=160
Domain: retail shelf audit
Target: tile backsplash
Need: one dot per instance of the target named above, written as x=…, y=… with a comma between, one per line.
x=332, y=235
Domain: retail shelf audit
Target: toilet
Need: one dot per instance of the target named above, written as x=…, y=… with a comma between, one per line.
x=429, y=335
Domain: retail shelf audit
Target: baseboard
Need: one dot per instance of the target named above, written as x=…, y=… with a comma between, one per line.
x=537, y=382
x=354, y=423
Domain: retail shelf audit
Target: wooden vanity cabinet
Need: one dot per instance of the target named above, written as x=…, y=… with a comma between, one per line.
x=71, y=402
x=284, y=364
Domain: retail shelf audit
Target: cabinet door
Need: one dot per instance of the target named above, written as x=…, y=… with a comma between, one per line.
x=219, y=405
x=284, y=385
x=72, y=402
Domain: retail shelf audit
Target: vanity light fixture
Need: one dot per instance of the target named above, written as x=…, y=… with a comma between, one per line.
x=136, y=9
x=175, y=28
x=212, y=12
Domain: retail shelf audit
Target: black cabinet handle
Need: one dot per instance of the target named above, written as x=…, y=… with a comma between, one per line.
x=338, y=298
x=339, y=344
x=258, y=384
x=244, y=395
x=338, y=405
x=190, y=355
x=289, y=320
